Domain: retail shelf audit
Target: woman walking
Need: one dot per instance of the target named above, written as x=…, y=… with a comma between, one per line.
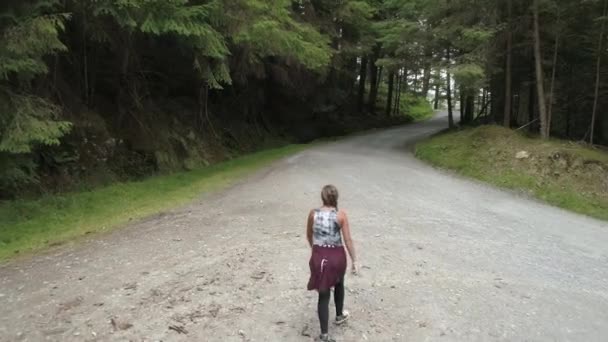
x=328, y=232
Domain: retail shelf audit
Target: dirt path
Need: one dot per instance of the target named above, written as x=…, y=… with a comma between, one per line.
x=444, y=259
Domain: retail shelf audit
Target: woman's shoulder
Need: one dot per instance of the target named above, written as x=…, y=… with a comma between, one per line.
x=342, y=213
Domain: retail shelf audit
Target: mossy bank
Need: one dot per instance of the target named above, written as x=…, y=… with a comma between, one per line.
x=562, y=173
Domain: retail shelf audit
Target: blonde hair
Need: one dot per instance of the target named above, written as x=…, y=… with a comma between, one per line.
x=329, y=196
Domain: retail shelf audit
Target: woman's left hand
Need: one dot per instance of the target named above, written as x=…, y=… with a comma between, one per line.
x=355, y=268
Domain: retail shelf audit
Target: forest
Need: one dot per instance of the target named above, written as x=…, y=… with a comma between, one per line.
x=97, y=91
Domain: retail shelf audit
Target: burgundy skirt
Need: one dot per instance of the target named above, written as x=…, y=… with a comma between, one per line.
x=327, y=267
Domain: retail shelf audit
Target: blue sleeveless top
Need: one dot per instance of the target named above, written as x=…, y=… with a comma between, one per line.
x=326, y=229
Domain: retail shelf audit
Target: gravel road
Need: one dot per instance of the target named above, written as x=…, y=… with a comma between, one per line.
x=444, y=259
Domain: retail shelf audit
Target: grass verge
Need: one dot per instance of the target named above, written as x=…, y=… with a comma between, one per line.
x=31, y=225
x=561, y=173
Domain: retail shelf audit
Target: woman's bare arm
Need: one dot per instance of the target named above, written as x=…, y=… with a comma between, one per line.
x=348, y=241
x=311, y=218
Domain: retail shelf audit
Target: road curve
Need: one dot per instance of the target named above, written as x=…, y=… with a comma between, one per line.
x=444, y=259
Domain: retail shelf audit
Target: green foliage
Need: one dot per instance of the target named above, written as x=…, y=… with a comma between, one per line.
x=475, y=36
x=346, y=25
x=26, y=120
x=411, y=105
x=354, y=19
x=206, y=32
x=215, y=73
x=30, y=124
x=352, y=12
x=27, y=36
x=16, y=170
x=471, y=76
x=270, y=30
x=416, y=107
x=398, y=35
x=126, y=52
x=195, y=26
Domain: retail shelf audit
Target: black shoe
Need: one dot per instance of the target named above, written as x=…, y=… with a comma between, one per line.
x=342, y=319
x=326, y=338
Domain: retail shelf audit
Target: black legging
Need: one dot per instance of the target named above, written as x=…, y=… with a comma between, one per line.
x=323, y=305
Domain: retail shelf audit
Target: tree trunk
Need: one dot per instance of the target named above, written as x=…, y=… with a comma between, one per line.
x=349, y=79
x=379, y=80
x=436, y=101
x=426, y=83
x=402, y=80
x=449, y=90
x=496, y=94
x=540, y=86
x=462, y=105
x=426, y=78
x=553, y=72
x=508, y=71
x=362, y=81
x=469, y=111
x=484, y=101
x=415, y=84
x=569, y=105
x=597, y=72
x=85, y=55
x=437, y=90
x=518, y=116
x=123, y=78
x=484, y=107
x=531, y=93
x=389, y=100
x=374, y=70
x=373, y=91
